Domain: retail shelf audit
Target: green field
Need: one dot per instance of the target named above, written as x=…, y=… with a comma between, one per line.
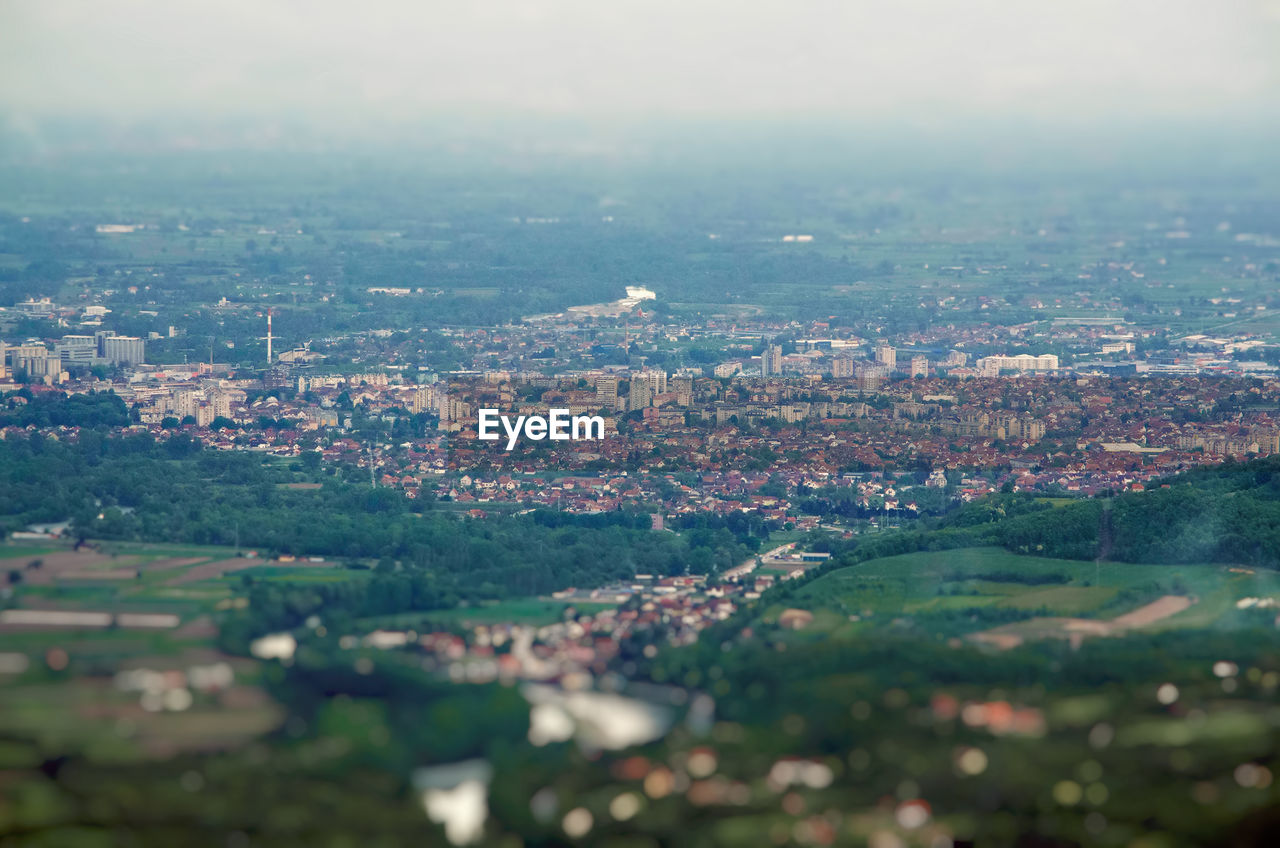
x=68, y=580
x=299, y=574
x=16, y=550
x=991, y=586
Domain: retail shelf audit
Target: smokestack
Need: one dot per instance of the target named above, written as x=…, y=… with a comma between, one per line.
x=268, y=337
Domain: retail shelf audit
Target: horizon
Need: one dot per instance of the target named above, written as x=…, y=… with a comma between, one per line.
x=924, y=61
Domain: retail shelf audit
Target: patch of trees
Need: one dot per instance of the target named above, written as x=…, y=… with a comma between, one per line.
x=55, y=409
x=138, y=489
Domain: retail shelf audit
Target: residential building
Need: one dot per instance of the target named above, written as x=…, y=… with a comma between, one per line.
x=991, y=366
x=771, y=361
x=640, y=395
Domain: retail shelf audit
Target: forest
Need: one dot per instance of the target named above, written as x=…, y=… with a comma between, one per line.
x=138, y=488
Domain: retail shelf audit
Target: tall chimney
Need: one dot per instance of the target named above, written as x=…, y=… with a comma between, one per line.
x=268, y=337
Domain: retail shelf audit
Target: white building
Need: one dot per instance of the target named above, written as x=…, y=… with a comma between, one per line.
x=991, y=366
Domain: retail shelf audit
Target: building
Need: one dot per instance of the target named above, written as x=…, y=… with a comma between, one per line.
x=657, y=381
x=919, y=366
x=871, y=377
x=842, y=367
x=277, y=377
x=640, y=395
x=78, y=350
x=34, y=361
x=727, y=369
x=683, y=387
x=887, y=356
x=607, y=391
x=991, y=366
x=424, y=400
x=220, y=403
x=299, y=355
x=122, y=350
x=23, y=351
x=185, y=404
x=771, y=361
x=1024, y=428
x=32, y=308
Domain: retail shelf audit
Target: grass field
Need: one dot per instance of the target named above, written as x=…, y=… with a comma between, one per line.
x=82, y=710
x=937, y=586
x=186, y=580
x=300, y=574
x=22, y=550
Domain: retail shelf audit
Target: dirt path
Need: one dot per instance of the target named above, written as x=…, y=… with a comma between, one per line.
x=1153, y=612
x=1011, y=635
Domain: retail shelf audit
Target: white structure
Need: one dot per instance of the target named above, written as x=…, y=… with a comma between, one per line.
x=991, y=366
x=124, y=350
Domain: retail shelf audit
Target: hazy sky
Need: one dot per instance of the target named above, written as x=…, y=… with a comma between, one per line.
x=1068, y=59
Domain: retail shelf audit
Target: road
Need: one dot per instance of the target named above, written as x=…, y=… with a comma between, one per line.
x=749, y=565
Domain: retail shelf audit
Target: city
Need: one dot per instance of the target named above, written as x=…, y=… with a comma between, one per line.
x=542, y=423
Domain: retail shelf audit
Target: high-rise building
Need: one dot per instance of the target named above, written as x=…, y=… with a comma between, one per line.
x=459, y=410
x=683, y=387
x=919, y=366
x=842, y=367
x=123, y=350
x=607, y=391
x=185, y=403
x=640, y=395
x=871, y=377
x=220, y=402
x=771, y=361
x=887, y=356
x=4, y=368
x=424, y=400
x=657, y=380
